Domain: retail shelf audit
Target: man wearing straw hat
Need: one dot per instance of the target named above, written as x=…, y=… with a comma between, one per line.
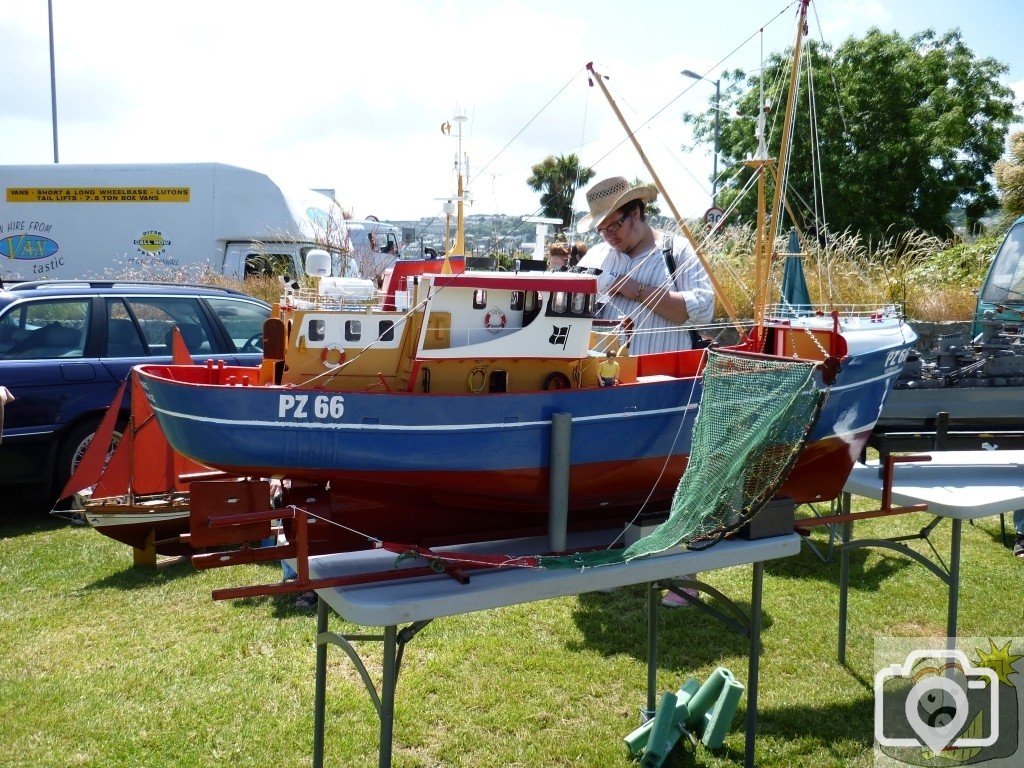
x=638, y=283
x=636, y=280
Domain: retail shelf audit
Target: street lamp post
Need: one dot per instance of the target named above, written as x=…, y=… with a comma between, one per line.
x=718, y=113
x=53, y=84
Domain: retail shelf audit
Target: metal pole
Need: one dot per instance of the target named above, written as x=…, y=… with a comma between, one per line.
x=718, y=112
x=320, y=687
x=389, y=681
x=53, y=85
x=714, y=157
x=558, y=499
x=754, y=663
x=653, y=599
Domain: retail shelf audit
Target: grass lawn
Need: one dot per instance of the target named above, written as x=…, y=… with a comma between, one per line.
x=108, y=665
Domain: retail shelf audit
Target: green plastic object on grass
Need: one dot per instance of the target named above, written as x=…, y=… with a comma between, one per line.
x=636, y=741
x=704, y=710
x=718, y=721
x=660, y=741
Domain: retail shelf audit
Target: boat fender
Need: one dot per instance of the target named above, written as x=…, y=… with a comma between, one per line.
x=325, y=356
x=495, y=320
x=557, y=380
x=471, y=382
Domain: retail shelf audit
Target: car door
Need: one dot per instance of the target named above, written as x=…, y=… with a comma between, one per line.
x=49, y=367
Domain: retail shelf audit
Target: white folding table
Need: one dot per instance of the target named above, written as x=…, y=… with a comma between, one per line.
x=958, y=485
x=418, y=601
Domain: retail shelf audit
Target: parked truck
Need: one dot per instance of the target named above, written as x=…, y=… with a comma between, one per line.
x=96, y=221
x=975, y=374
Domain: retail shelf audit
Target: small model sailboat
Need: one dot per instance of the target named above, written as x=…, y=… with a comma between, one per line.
x=138, y=493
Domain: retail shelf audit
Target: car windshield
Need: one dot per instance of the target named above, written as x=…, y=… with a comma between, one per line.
x=1006, y=281
x=243, y=321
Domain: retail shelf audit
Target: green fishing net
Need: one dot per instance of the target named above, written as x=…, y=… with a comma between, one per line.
x=754, y=417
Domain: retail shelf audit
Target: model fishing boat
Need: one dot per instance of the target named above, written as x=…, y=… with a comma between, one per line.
x=424, y=413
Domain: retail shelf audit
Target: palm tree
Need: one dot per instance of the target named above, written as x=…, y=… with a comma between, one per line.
x=557, y=179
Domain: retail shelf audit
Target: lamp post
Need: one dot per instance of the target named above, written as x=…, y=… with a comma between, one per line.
x=53, y=84
x=718, y=112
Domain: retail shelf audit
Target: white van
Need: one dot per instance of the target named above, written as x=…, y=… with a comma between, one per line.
x=97, y=221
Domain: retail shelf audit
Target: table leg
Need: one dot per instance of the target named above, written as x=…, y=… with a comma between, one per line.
x=954, y=577
x=320, y=690
x=754, y=663
x=389, y=680
x=653, y=599
x=844, y=575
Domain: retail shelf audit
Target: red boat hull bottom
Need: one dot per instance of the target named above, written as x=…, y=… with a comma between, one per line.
x=438, y=508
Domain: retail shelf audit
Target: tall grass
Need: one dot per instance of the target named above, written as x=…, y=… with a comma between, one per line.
x=930, y=278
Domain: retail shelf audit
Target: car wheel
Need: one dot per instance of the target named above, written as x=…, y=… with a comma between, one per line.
x=73, y=448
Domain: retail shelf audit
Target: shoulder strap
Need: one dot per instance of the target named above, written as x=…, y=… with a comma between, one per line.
x=696, y=341
x=670, y=260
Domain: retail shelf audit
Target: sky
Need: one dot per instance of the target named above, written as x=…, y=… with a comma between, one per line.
x=350, y=96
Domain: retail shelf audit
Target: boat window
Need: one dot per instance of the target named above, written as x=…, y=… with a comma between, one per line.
x=386, y=330
x=518, y=299
x=317, y=330
x=559, y=302
x=530, y=301
x=353, y=330
x=579, y=303
x=479, y=299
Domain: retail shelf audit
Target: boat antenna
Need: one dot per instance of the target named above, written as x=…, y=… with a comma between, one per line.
x=458, y=248
x=719, y=292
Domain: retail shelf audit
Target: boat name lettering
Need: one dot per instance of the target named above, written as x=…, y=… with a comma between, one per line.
x=304, y=406
x=896, y=357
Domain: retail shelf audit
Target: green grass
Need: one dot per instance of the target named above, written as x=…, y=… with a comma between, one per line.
x=108, y=665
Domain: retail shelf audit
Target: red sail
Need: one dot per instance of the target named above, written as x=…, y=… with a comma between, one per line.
x=89, y=469
x=149, y=465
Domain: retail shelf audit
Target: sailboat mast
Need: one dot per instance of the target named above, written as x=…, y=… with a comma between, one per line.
x=719, y=293
x=766, y=226
x=787, y=123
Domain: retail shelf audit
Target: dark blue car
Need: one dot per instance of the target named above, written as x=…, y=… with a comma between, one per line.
x=65, y=348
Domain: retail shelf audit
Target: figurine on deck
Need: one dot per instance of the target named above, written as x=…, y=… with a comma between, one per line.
x=608, y=370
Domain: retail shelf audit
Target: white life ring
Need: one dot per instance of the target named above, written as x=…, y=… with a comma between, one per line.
x=495, y=320
x=332, y=348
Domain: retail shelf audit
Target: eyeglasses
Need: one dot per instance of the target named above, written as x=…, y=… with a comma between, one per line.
x=614, y=227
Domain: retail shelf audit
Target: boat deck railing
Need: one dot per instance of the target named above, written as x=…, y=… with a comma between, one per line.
x=865, y=311
x=307, y=299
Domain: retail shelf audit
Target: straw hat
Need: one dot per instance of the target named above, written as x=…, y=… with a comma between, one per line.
x=609, y=195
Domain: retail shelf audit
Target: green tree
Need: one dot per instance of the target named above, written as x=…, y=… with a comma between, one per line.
x=907, y=129
x=1010, y=177
x=557, y=179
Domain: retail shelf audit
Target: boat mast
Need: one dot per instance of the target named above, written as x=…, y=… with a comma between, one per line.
x=762, y=164
x=719, y=292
